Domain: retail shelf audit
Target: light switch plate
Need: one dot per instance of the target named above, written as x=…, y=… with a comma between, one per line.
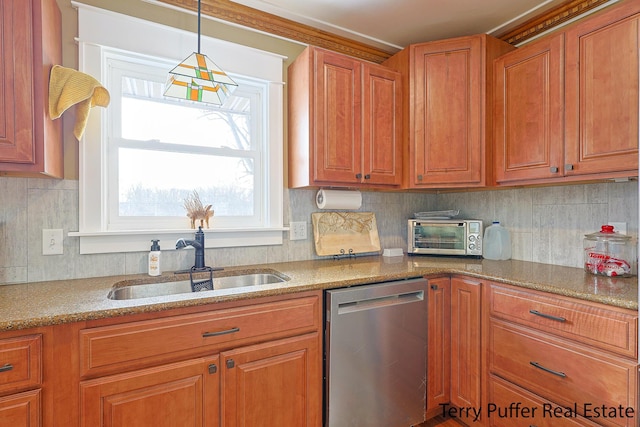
x=52, y=241
x=297, y=230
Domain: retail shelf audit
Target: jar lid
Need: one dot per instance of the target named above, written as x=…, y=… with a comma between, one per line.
x=607, y=233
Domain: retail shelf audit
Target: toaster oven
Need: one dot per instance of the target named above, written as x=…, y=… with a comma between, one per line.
x=445, y=237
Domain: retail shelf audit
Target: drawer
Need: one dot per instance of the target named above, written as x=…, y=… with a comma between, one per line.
x=563, y=372
x=20, y=363
x=607, y=328
x=118, y=347
x=512, y=406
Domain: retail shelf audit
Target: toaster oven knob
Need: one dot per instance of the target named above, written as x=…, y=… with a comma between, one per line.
x=472, y=246
x=472, y=238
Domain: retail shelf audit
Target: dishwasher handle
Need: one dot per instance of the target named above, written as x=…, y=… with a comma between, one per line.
x=379, y=302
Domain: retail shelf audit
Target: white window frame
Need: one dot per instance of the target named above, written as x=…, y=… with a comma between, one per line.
x=97, y=35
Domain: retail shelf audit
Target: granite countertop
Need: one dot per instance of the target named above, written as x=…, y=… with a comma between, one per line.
x=62, y=301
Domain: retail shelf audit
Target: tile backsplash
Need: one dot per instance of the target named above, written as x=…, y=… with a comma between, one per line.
x=547, y=225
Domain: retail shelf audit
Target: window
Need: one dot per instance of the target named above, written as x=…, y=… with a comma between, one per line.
x=145, y=154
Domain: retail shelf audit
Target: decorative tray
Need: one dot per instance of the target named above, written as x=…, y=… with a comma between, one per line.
x=345, y=233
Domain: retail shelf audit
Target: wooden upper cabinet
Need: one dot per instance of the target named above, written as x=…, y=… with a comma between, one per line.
x=30, y=44
x=343, y=122
x=602, y=93
x=337, y=105
x=567, y=105
x=448, y=111
x=382, y=126
x=529, y=100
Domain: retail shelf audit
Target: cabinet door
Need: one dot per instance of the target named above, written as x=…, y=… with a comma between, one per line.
x=21, y=410
x=447, y=114
x=30, y=44
x=465, y=342
x=529, y=100
x=438, y=345
x=602, y=93
x=337, y=112
x=273, y=384
x=382, y=126
x=179, y=394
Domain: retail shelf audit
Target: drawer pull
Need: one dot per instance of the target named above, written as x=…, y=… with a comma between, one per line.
x=6, y=367
x=548, y=316
x=551, y=371
x=225, y=332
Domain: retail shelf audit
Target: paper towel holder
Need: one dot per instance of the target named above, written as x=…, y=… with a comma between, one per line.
x=326, y=198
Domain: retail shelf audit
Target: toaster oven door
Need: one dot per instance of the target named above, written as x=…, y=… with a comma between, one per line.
x=447, y=238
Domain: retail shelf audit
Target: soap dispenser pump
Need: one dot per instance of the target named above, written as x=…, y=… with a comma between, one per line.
x=154, y=259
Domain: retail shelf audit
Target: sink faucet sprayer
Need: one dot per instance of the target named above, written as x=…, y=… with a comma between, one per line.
x=198, y=245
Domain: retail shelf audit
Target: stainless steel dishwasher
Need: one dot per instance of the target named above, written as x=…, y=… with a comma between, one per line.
x=376, y=355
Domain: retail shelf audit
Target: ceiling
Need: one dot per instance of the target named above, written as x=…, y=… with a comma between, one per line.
x=394, y=24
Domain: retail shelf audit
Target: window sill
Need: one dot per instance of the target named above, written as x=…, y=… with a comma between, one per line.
x=102, y=242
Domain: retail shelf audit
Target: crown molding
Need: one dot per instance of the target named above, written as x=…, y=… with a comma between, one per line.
x=245, y=16
x=549, y=20
x=261, y=21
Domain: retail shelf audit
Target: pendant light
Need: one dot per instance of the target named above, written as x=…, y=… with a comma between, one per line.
x=198, y=78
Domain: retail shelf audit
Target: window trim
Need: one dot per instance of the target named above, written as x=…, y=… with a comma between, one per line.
x=95, y=28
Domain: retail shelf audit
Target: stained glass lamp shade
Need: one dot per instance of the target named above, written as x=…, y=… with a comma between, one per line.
x=198, y=78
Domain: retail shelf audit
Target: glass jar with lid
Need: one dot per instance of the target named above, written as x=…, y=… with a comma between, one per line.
x=609, y=253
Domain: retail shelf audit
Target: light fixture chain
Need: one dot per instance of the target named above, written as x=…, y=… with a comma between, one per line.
x=199, y=7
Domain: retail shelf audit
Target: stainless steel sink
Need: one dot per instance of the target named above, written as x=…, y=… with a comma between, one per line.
x=126, y=290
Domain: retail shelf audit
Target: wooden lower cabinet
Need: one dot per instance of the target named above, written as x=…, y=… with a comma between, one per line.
x=270, y=384
x=512, y=406
x=21, y=409
x=21, y=359
x=274, y=384
x=465, y=342
x=454, y=350
x=438, y=345
x=247, y=364
x=178, y=394
x=577, y=356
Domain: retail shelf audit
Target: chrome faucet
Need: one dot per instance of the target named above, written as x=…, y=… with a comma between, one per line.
x=198, y=245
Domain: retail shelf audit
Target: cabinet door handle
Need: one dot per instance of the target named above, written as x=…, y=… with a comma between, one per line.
x=230, y=363
x=225, y=332
x=6, y=367
x=548, y=316
x=419, y=177
x=358, y=175
x=553, y=169
x=568, y=167
x=551, y=371
x=213, y=368
x=434, y=287
x=367, y=176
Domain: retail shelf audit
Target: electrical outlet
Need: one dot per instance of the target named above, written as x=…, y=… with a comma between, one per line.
x=52, y=241
x=297, y=230
x=620, y=227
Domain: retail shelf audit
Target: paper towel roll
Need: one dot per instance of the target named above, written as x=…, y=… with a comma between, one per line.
x=338, y=199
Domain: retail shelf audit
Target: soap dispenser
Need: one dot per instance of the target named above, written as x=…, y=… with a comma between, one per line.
x=154, y=259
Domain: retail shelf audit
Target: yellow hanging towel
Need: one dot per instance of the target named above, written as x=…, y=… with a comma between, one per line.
x=68, y=87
